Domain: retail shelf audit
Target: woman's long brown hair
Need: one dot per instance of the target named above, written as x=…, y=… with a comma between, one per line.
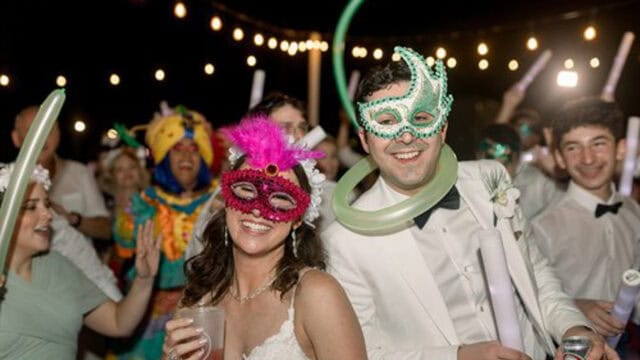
x=211, y=271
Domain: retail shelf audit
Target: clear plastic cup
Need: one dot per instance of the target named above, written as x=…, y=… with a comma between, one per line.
x=211, y=319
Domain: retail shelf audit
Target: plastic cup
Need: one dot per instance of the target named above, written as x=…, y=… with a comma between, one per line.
x=211, y=320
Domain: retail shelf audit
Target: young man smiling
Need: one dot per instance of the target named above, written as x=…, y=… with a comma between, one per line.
x=592, y=218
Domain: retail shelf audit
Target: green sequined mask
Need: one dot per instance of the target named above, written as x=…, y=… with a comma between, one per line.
x=392, y=116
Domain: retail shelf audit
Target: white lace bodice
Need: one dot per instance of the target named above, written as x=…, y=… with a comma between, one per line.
x=283, y=345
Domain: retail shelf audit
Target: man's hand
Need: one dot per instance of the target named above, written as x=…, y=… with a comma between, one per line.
x=599, y=312
x=599, y=348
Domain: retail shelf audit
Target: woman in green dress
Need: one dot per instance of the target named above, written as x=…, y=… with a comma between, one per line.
x=48, y=299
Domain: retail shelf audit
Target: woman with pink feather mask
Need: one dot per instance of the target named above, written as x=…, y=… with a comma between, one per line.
x=263, y=262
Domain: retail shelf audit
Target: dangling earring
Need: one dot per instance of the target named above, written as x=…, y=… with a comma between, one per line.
x=294, y=243
x=226, y=237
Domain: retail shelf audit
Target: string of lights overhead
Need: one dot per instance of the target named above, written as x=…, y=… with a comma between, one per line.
x=256, y=34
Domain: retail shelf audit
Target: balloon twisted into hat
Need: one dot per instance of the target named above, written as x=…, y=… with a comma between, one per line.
x=427, y=93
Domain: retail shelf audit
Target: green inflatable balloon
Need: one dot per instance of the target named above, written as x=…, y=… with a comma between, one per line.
x=399, y=216
x=338, y=58
x=24, y=166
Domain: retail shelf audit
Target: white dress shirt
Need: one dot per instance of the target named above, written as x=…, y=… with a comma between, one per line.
x=590, y=254
x=452, y=255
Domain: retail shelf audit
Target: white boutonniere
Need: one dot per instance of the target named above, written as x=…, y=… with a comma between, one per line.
x=503, y=195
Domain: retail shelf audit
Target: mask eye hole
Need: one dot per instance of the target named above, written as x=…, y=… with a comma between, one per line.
x=422, y=118
x=386, y=119
x=282, y=201
x=244, y=190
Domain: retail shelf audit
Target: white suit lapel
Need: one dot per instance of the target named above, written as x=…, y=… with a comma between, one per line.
x=408, y=260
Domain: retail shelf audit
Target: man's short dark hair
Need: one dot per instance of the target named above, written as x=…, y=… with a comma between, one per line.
x=589, y=111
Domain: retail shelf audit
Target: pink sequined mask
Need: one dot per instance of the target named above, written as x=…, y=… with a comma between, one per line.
x=276, y=198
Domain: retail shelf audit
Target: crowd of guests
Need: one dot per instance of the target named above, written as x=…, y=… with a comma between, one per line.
x=241, y=218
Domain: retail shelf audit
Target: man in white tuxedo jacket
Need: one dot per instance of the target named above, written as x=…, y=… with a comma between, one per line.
x=419, y=291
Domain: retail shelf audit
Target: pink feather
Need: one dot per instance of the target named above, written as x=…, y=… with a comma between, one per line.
x=264, y=142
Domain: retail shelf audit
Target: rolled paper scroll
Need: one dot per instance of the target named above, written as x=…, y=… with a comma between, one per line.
x=257, y=87
x=625, y=301
x=313, y=137
x=534, y=70
x=353, y=83
x=616, y=69
x=499, y=283
x=626, y=180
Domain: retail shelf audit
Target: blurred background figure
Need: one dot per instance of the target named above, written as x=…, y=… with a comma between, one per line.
x=181, y=185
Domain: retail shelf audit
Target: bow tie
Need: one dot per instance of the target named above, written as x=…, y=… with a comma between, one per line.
x=602, y=209
x=450, y=201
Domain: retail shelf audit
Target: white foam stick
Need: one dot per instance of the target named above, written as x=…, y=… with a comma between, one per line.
x=534, y=70
x=313, y=137
x=626, y=180
x=257, y=87
x=499, y=281
x=353, y=83
x=618, y=63
x=625, y=300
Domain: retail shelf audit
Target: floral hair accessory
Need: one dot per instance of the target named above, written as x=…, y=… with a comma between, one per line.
x=40, y=175
x=427, y=93
x=267, y=147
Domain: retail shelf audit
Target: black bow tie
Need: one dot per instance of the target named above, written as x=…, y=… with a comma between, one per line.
x=602, y=209
x=449, y=201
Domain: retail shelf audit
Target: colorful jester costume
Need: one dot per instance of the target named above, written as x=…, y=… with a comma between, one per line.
x=174, y=215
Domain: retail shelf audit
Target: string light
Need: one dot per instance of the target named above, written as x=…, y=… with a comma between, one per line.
x=61, y=81
x=238, y=34
x=590, y=33
x=209, y=69
x=324, y=46
x=159, y=75
x=293, y=48
x=79, y=126
x=483, y=49
x=251, y=61
x=430, y=60
x=302, y=46
x=568, y=64
x=284, y=45
x=441, y=53
x=258, y=39
x=532, y=43
x=567, y=78
x=594, y=62
x=513, y=65
x=452, y=62
x=272, y=43
x=114, y=79
x=215, y=23
x=378, y=53
x=483, y=64
x=4, y=80
x=396, y=57
x=112, y=134
x=180, y=10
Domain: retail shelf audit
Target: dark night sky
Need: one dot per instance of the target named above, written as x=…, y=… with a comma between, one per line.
x=86, y=40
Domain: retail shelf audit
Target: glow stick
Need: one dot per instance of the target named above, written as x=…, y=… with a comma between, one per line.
x=534, y=70
x=616, y=69
x=24, y=166
x=626, y=180
x=257, y=87
x=313, y=137
x=499, y=282
x=625, y=301
x=353, y=83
